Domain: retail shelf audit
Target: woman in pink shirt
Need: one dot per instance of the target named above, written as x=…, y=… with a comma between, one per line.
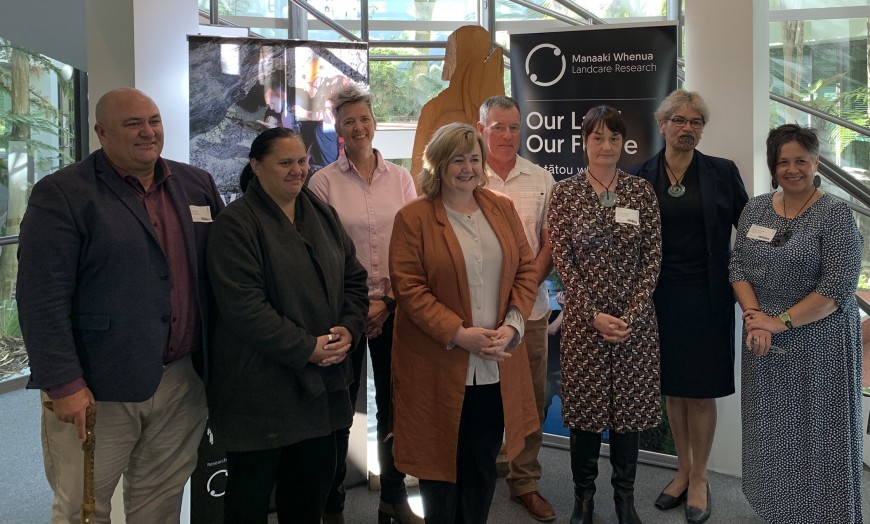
x=367, y=192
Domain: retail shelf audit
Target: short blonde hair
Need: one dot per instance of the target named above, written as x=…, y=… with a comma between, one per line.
x=446, y=143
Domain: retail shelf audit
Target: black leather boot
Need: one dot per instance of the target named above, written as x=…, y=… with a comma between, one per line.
x=585, y=449
x=623, y=459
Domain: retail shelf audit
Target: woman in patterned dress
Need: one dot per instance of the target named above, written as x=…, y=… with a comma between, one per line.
x=606, y=238
x=794, y=270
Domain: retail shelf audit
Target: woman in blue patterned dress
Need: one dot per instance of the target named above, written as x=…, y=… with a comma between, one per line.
x=794, y=270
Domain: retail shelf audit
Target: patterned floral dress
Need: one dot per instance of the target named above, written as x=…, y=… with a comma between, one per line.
x=801, y=410
x=610, y=267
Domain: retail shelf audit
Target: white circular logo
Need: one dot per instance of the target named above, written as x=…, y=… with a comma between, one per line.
x=222, y=482
x=534, y=77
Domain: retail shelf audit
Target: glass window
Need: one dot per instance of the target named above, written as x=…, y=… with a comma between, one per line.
x=265, y=8
x=622, y=9
x=401, y=87
x=36, y=138
x=337, y=9
x=778, y=5
x=823, y=64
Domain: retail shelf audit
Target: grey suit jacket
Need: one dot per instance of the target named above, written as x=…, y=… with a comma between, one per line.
x=93, y=282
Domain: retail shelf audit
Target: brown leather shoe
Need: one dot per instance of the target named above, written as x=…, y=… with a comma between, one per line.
x=536, y=505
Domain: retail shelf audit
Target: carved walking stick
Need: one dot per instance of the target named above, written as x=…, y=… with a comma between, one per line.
x=88, y=504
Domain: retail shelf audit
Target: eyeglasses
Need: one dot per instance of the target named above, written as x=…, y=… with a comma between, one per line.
x=696, y=123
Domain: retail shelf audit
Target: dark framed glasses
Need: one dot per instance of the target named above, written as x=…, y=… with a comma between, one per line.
x=696, y=123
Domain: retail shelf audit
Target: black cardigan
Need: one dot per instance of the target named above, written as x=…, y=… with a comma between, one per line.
x=277, y=286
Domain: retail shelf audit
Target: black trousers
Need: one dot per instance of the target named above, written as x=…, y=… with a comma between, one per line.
x=392, y=480
x=300, y=473
x=481, y=427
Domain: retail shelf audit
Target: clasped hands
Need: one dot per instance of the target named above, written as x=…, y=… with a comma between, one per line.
x=612, y=329
x=760, y=329
x=375, y=318
x=488, y=344
x=331, y=348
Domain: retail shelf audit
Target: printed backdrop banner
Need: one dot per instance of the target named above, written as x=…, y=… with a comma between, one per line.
x=558, y=76
x=240, y=87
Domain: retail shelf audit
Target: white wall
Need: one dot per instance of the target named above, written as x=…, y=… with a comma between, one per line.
x=727, y=62
x=136, y=43
x=143, y=44
x=53, y=28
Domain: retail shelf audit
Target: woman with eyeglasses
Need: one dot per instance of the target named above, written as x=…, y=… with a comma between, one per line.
x=606, y=241
x=700, y=199
x=794, y=270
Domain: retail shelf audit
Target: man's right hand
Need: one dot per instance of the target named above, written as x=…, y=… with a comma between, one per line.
x=72, y=409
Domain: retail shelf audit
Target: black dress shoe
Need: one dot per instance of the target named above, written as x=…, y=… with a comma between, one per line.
x=665, y=502
x=697, y=515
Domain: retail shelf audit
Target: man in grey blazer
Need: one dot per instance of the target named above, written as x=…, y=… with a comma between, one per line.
x=113, y=304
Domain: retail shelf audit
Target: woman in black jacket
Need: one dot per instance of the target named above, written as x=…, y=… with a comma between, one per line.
x=700, y=198
x=291, y=299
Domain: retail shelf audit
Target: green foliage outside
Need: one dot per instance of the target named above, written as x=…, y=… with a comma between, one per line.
x=401, y=89
x=29, y=115
x=43, y=117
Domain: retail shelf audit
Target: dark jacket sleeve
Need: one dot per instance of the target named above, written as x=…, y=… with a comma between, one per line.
x=48, y=254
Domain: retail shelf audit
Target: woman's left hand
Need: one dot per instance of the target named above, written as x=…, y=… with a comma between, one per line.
x=501, y=340
x=376, y=317
x=758, y=320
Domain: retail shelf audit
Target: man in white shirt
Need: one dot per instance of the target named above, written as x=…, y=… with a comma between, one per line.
x=529, y=186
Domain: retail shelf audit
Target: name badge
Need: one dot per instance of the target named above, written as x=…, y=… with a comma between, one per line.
x=628, y=216
x=765, y=234
x=200, y=213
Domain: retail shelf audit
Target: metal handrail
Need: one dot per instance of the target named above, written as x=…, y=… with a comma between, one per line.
x=338, y=28
x=584, y=13
x=820, y=114
x=5, y=241
x=551, y=13
x=845, y=181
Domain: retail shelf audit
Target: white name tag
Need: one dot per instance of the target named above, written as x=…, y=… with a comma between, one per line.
x=765, y=234
x=628, y=216
x=200, y=213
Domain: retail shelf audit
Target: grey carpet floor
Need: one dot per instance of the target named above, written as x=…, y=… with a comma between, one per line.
x=26, y=499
